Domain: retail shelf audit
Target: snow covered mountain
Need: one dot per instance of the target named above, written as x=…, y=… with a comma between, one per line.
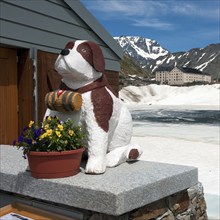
x=150, y=55
x=141, y=50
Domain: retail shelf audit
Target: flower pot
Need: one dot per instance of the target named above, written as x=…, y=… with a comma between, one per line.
x=55, y=164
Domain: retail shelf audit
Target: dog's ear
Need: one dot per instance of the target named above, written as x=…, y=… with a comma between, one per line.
x=97, y=56
x=70, y=45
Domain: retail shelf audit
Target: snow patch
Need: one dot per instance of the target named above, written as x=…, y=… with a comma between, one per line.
x=204, y=65
x=171, y=95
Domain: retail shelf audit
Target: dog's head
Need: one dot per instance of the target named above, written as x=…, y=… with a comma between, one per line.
x=80, y=61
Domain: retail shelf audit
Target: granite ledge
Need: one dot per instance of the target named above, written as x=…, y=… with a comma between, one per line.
x=119, y=190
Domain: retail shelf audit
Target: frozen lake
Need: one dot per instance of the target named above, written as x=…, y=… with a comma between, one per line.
x=188, y=135
x=186, y=123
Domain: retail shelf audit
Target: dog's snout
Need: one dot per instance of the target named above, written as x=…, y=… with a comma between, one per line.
x=64, y=52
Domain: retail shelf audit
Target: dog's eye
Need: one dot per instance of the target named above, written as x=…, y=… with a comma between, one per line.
x=84, y=50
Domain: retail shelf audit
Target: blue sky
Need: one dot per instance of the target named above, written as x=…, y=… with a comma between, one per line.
x=177, y=25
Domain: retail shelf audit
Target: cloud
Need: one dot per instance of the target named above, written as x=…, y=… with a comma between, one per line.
x=184, y=9
x=154, y=23
x=139, y=13
x=203, y=9
x=154, y=14
x=123, y=8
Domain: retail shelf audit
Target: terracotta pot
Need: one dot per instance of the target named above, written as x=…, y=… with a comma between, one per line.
x=55, y=164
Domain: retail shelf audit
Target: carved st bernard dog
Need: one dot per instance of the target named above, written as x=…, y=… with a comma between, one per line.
x=106, y=121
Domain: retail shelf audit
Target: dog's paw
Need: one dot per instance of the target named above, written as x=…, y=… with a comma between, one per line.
x=95, y=165
x=134, y=153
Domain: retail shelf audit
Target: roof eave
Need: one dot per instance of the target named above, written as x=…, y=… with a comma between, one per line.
x=91, y=21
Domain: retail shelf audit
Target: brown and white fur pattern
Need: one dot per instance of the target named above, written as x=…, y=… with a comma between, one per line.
x=80, y=64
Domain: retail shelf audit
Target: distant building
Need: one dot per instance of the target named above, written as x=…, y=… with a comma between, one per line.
x=181, y=76
x=161, y=75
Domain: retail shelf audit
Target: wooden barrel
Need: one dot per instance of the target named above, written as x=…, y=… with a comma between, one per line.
x=63, y=100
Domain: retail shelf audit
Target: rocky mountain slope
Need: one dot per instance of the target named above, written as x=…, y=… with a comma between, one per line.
x=131, y=73
x=149, y=55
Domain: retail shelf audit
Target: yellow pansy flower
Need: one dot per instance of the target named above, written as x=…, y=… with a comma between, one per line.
x=60, y=127
x=30, y=124
x=46, y=126
x=49, y=132
x=58, y=133
x=43, y=136
x=71, y=132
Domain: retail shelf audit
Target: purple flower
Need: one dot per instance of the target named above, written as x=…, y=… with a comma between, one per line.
x=14, y=142
x=21, y=138
x=28, y=141
x=37, y=133
x=25, y=128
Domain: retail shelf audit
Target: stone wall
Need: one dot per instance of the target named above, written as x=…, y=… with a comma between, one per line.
x=188, y=204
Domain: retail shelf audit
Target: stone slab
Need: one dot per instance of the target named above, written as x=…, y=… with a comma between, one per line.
x=119, y=190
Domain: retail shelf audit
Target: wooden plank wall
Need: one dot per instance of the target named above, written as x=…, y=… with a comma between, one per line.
x=8, y=96
x=25, y=89
x=48, y=79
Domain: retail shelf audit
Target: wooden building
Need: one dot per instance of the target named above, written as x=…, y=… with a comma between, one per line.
x=31, y=37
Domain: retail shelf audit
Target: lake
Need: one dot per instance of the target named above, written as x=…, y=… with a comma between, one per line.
x=197, y=123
